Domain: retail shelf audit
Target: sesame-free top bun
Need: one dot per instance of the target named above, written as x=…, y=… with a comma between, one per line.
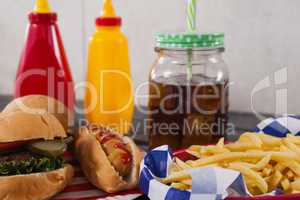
x=20, y=126
x=38, y=186
x=41, y=104
x=97, y=167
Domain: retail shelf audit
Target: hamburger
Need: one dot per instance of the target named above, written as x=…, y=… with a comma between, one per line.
x=31, y=156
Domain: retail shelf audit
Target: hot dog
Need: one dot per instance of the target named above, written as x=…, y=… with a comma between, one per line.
x=118, y=152
x=109, y=161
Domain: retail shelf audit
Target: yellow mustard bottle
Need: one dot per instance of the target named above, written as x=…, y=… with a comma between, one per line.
x=109, y=92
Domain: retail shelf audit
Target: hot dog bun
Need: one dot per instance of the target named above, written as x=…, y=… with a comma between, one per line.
x=20, y=126
x=37, y=186
x=42, y=104
x=97, y=167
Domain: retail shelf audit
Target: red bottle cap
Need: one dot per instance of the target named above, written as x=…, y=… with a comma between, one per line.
x=109, y=21
x=45, y=18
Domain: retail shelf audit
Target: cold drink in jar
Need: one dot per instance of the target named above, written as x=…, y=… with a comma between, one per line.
x=188, y=107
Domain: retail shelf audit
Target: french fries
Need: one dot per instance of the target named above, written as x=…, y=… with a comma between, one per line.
x=262, y=163
x=182, y=164
x=275, y=180
x=266, y=162
x=220, y=143
x=285, y=184
x=180, y=186
x=247, y=172
x=296, y=185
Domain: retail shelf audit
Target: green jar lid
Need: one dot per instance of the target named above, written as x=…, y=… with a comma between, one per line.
x=185, y=40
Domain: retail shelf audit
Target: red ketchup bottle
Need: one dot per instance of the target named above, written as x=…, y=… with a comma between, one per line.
x=43, y=68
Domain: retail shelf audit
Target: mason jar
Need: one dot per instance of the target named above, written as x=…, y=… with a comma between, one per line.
x=188, y=95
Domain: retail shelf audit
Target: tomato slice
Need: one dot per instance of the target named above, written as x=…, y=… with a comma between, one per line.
x=11, y=145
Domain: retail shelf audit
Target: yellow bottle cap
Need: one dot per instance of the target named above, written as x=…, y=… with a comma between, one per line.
x=42, y=6
x=108, y=9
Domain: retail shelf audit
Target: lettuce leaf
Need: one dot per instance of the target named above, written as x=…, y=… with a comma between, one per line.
x=32, y=164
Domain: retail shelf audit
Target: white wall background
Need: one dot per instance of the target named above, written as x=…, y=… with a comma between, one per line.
x=262, y=37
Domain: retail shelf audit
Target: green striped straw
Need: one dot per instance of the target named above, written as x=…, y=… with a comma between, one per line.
x=191, y=25
x=191, y=18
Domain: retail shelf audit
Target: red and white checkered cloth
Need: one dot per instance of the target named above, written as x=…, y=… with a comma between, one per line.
x=81, y=189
